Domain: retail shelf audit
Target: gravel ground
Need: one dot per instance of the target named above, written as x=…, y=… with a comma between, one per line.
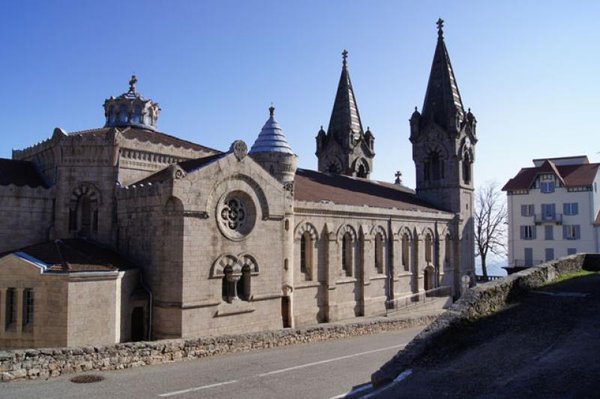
x=544, y=346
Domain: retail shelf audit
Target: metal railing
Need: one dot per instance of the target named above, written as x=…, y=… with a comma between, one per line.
x=418, y=299
x=542, y=218
x=525, y=263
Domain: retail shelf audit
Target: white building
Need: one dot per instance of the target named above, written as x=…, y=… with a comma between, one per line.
x=553, y=210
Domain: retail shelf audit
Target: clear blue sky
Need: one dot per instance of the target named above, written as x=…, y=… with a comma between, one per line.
x=529, y=71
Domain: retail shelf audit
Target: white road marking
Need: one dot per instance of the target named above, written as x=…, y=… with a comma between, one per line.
x=330, y=360
x=400, y=377
x=282, y=371
x=354, y=391
x=197, y=388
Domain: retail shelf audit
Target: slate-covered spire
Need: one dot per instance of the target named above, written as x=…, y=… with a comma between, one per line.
x=271, y=137
x=345, y=117
x=442, y=99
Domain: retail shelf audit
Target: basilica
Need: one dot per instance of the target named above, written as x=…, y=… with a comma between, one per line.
x=125, y=233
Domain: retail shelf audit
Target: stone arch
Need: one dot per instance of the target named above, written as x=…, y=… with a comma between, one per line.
x=333, y=165
x=85, y=188
x=238, y=182
x=222, y=262
x=378, y=229
x=84, y=203
x=361, y=167
x=246, y=259
x=174, y=204
x=306, y=227
x=346, y=228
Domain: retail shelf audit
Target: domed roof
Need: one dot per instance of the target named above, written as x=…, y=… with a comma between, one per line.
x=131, y=109
x=271, y=138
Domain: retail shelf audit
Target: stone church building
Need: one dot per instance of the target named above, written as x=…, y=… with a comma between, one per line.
x=124, y=233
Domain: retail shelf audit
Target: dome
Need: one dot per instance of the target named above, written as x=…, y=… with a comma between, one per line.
x=271, y=138
x=131, y=109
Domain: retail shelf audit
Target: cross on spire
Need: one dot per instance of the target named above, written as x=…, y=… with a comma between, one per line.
x=398, y=177
x=440, y=25
x=345, y=57
x=132, y=83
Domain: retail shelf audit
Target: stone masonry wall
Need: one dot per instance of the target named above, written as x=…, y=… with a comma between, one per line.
x=52, y=362
x=480, y=301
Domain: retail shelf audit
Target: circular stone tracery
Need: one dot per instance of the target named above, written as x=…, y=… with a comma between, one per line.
x=236, y=215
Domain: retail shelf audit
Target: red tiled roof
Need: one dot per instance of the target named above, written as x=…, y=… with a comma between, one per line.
x=76, y=255
x=315, y=186
x=19, y=173
x=570, y=175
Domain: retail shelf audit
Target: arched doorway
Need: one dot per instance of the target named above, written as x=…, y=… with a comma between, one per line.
x=429, y=278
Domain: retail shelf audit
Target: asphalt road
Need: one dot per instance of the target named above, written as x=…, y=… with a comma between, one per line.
x=319, y=370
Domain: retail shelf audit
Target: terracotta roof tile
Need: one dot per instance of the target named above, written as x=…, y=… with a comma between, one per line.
x=315, y=186
x=76, y=255
x=570, y=175
x=19, y=173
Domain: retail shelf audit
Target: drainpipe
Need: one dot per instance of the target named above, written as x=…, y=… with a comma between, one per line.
x=150, y=301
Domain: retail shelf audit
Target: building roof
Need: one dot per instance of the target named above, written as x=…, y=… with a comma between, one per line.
x=315, y=186
x=148, y=136
x=442, y=98
x=74, y=255
x=20, y=173
x=189, y=165
x=345, y=114
x=271, y=137
x=570, y=175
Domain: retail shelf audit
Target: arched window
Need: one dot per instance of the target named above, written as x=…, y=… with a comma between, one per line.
x=447, y=251
x=466, y=169
x=306, y=245
x=243, y=284
x=434, y=167
x=112, y=117
x=347, y=254
x=123, y=117
x=362, y=172
x=228, y=285
x=406, y=252
x=428, y=247
x=137, y=115
x=379, y=253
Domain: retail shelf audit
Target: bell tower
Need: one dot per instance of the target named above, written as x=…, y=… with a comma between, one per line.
x=345, y=148
x=443, y=140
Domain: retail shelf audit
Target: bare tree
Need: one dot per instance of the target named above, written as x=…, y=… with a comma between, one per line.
x=490, y=223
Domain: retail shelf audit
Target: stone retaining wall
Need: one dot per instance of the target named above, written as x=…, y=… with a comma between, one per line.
x=480, y=301
x=52, y=362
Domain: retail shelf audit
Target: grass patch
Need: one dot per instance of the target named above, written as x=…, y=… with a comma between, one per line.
x=570, y=276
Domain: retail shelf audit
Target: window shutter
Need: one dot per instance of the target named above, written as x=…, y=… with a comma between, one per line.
x=565, y=227
x=575, y=209
x=522, y=228
x=533, y=232
x=523, y=210
x=565, y=208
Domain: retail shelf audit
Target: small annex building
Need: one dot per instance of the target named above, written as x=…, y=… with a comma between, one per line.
x=124, y=232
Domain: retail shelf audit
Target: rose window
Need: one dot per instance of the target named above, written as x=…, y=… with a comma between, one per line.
x=233, y=214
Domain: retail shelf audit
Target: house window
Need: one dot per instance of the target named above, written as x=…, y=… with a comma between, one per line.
x=528, y=232
x=347, y=254
x=548, y=211
x=570, y=208
x=27, y=306
x=547, y=187
x=527, y=210
x=11, y=306
x=549, y=254
x=549, y=232
x=228, y=285
x=428, y=249
x=571, y=232
x=571, y=251
x=405, y=252
x=466, y=166
x=379, y=253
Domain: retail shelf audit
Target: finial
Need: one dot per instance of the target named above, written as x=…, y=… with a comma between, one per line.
x=345, y=57
x=132, y=83
x=416, y=109
x=271, y=109
x=398, y=177
x=469, y=109
x=440, y=25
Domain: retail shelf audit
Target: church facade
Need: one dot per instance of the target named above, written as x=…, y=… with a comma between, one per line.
x=124, y=233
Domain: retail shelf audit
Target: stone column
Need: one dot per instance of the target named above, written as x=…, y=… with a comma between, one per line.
x=289, y=264
x=332, y=263
x=368, y=270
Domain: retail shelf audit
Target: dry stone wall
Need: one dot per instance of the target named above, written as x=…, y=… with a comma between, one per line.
x=52, y=362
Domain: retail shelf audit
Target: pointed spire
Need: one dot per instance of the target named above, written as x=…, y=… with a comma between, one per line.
x=271, y=137
x=345, y=116
x=443, y=103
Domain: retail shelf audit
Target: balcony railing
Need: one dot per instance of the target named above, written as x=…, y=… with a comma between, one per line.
x=526, y=263
x=542, y=218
